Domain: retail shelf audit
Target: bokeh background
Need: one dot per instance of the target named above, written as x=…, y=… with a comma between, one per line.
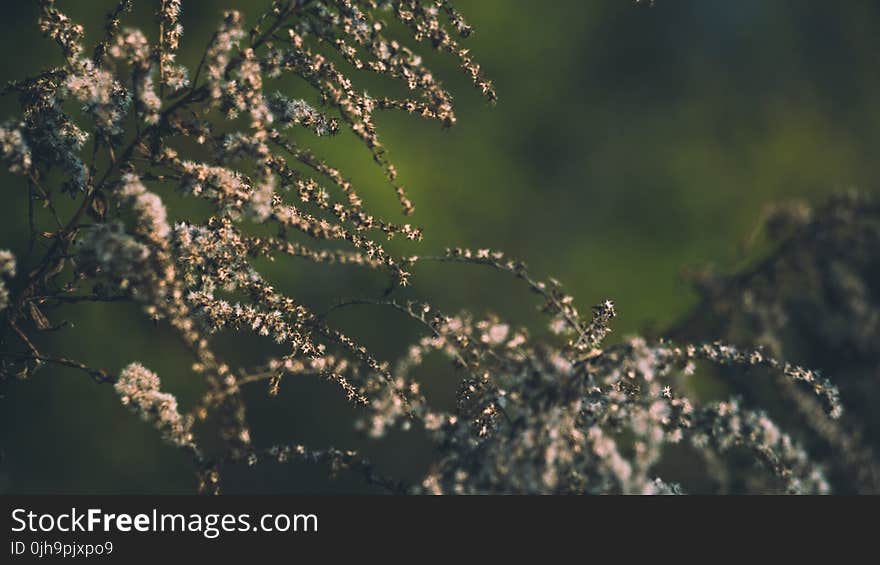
x=629, y=144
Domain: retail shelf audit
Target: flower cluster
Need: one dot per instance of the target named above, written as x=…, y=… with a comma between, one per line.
x=103, y=98
x=813, y=297
x=15, y=150
x=132, y=47
x=138, y=388
x=533, y=419
x=7, y=271
x=287, y=112
x=148, y=207
x=171, y=74
x=108, y=250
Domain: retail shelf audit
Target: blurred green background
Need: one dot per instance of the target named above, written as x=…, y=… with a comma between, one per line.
x=628, y=145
